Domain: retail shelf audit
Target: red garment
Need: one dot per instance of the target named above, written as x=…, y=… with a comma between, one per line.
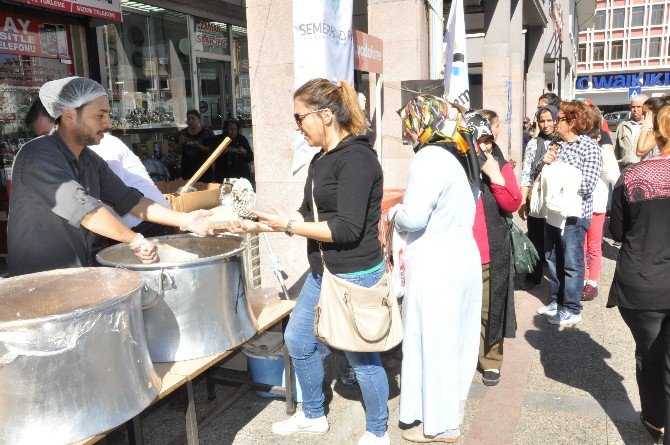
x=593, y=247
x=604, y=126
x=508, y=198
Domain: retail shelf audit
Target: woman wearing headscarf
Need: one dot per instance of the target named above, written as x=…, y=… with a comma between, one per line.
x=499, y=197
x=545, y=117
x=442, y=301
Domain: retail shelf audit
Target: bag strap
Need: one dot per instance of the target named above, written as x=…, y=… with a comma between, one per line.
x=316, y=219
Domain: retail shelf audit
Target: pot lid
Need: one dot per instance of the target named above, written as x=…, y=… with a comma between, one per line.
x=63, y=291
x=175, y=251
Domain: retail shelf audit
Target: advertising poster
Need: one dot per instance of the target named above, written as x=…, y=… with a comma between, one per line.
x=322, y=47
x=211, y=37
x=28, y=36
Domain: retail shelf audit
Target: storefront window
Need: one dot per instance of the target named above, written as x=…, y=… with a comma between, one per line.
x=150, y=75
x=148, y=69
x=27, y=61
x=242, y=83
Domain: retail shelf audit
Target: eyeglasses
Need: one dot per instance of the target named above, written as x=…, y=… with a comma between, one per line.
x=299, y=117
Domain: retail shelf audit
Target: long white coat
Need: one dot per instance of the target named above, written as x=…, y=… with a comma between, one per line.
x=442, y=304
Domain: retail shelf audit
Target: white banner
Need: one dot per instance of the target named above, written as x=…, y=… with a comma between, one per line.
x=456, y=82
x=322, y=47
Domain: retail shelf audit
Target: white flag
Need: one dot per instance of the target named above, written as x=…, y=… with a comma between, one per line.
x=456, y=82
x=322, y=47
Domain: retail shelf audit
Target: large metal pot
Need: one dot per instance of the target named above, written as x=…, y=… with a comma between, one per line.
x=198, y=289
x=73, y=355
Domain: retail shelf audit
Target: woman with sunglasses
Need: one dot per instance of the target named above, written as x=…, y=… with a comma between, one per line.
x=345, y=180
x=564, y=237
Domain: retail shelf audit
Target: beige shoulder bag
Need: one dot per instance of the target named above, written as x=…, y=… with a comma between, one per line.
x=353, y=318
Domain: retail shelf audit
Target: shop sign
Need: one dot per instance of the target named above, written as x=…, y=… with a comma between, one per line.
x=28, y=36
x=368, y=53
x=658, y=79
x=211, y=37
x=101, y=9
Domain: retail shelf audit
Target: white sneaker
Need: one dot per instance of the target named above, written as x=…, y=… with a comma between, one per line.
x=299, y=424
x=370, y=439
x=549, y=310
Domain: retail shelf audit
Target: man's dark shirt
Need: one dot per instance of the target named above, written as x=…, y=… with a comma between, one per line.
x=51, y=194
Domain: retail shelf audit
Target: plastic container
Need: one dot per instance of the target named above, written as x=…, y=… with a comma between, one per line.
x=269, y=370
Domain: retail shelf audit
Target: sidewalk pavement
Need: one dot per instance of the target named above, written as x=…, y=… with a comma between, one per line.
x=574, y=385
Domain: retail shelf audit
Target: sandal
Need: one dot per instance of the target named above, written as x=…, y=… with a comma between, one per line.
x=655, y=433
x=416, y=435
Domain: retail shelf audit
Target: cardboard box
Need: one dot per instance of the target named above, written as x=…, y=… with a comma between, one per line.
x=206, y=197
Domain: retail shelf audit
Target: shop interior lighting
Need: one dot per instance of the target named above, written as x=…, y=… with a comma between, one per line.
x=140, y=6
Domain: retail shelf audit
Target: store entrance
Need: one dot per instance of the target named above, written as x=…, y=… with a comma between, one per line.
x=214, y=80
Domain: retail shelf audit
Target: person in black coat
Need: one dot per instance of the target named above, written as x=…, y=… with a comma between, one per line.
x=234, y=162
x=641, y=288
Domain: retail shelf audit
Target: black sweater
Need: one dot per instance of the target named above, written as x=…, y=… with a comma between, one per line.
x=639, y=218
x=348, y=193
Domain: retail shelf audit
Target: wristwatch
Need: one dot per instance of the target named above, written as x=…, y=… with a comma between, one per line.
x=288, y=230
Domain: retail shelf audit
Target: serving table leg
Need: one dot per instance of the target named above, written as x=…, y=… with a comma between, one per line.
x=191, y=419
x=134, y=428
x=288, y=372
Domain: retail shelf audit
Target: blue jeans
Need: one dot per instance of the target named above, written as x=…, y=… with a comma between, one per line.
x=565, y=257
x=305, y=351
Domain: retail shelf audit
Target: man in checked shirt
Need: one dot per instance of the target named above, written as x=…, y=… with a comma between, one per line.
x=564, y=249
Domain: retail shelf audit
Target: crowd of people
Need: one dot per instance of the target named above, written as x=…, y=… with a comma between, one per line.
x=460, y=195
x=459, y=198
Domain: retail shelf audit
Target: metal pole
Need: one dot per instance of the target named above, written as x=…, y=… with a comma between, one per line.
x=378, y=115
x=436, y=36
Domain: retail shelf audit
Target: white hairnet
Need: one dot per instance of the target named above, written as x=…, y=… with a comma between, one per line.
x=70, y=92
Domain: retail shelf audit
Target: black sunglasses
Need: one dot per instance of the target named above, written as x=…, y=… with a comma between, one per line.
x=299, y=117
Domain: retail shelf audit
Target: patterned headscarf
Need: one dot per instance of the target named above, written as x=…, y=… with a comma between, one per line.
x=434, y=120
x=437, y=122
x=478, y=125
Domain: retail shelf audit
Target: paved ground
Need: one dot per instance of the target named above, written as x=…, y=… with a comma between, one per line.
x=568, y=386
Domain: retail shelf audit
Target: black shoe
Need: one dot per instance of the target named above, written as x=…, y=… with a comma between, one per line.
x=528, y=285
x=655, y=434
x=491, y=377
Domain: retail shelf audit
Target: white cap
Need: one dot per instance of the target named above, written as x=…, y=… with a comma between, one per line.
x=70, y=92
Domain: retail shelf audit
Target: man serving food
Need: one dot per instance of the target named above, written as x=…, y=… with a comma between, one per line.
x=59, y=187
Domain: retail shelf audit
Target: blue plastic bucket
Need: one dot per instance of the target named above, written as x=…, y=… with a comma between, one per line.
x=270, y=371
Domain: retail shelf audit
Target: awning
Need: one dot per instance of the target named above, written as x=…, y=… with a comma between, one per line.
x=586, y=12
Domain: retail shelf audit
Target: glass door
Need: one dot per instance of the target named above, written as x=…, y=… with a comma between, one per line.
x=214, y=81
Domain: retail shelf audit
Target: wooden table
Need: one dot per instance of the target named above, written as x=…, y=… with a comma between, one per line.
x=176, y=375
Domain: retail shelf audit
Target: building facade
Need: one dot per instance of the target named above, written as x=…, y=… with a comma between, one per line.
x=625, y=53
